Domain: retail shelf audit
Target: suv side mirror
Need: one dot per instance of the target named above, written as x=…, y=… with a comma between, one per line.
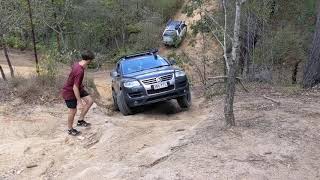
x=114, y=74
x=173, y=62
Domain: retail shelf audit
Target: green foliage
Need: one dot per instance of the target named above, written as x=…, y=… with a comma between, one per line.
x=167, y=8
x=188, y=10
x=180, y=59
x=48, y=66
x=134, y=29
x=200, y=26
x=120, y=53
x=276, y=49
x=15, y=42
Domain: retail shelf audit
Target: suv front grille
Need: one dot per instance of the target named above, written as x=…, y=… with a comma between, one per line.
x=164, y=78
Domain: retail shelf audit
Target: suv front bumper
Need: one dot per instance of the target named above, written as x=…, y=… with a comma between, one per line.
x=145, y=98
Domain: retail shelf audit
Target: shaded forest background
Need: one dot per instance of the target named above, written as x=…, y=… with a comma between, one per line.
x=276, y=35
x=109, y=27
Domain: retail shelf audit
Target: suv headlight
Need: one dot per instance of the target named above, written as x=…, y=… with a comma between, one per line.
x=131, y=84
x=180, y=73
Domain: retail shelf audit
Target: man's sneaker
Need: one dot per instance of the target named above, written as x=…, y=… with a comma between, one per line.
x=73, y=132
x=83, y=123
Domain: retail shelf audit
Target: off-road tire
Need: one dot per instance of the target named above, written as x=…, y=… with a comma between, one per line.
x=123, y=106
x=115, y=103
x=185, y=101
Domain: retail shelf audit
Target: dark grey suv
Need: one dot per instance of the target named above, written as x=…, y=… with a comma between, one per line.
x=147, y=78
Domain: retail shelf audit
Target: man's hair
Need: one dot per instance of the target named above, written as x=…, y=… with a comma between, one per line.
x=87, y=55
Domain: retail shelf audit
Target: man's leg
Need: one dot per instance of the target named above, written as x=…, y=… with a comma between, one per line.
x=89, y=101
x=71, y=115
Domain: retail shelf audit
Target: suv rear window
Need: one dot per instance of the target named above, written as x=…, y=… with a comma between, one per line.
x=142, y=63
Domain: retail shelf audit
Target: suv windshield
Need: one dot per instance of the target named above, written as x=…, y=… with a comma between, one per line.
x=142, y=63
x=169, y=33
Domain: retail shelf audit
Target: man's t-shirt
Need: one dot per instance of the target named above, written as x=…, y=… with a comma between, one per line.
x=75, y=78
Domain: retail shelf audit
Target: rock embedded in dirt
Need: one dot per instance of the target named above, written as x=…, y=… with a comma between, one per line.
x=31, y=165
x=179, y=130
x=20, y=171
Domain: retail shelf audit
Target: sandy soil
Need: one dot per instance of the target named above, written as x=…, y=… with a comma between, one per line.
x=270, y=141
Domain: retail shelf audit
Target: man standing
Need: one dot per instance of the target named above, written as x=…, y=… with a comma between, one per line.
x=74, y=94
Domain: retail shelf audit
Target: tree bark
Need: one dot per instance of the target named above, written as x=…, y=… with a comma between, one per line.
x=233, y=64
x=312, y=68
x=5, y=50
x=2, y=73
x=226, y=65
x=295, y=72
x=33, y=37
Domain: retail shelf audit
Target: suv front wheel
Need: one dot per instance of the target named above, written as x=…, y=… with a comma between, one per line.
x=115, y=103
x=123, y=106
x=185, y=101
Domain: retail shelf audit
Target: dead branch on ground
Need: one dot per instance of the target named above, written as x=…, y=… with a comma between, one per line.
x=225, y=77
x=270, y=99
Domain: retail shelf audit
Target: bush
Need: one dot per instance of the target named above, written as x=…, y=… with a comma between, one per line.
x=33, y=90
x=15, y=42
x=48, y=66
x=275, y=49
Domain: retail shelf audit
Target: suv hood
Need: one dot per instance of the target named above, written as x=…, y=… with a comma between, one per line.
x=150, y=73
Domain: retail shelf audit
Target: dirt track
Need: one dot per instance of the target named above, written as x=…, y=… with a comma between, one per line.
x=116, y=145
x=270, y=142
x=162, y=142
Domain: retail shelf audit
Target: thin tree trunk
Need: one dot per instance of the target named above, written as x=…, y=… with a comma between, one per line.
x=116, y=41
x=2, y=73
x=312, y=69
x=33, y=37
x=57, y=34
x=5, y=50
x=295, y=72
x=233, y=64
x=226, y=65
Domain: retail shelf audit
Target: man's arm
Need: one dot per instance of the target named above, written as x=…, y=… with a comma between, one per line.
x=77, y=92
x=76, y=88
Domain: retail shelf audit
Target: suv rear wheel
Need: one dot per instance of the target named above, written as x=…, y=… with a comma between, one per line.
x=185, y=101
x=123, y=106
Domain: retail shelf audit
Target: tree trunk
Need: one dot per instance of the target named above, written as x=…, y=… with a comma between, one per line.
x=5, y=50
x=226, y=65
x=33, y=37
x=233, y=64
x=312, y=68
x=295, y=72
x=57, y=34
x=2, y=73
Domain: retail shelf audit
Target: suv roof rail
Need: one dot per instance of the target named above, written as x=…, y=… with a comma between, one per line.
x=150, y=52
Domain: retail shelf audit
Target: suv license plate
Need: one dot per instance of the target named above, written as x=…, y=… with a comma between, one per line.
x=160, y=85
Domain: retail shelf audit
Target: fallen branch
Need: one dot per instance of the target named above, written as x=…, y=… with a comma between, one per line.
x=157, y=161
x=270, y=99
x=226, y=77
x=210, y=85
